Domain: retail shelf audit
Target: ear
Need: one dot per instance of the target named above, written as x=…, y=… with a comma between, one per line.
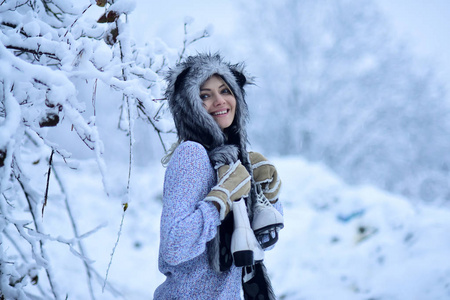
x=240, y=78
x=180, y=79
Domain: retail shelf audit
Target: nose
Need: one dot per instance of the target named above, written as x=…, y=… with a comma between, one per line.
x=219, y=100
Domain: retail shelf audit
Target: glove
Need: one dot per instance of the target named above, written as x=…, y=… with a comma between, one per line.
x=265, y=174
x=233, y=184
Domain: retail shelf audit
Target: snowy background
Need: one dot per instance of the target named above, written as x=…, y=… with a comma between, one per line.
x=351, y=104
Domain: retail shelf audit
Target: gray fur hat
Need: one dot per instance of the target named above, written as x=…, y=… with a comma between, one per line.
x=192, y=121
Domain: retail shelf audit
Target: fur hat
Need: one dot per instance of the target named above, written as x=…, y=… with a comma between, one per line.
x=191, y=119
x=194, y=123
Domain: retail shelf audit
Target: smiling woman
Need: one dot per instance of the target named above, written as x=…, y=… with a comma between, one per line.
x=218, y=101
x=220, y=202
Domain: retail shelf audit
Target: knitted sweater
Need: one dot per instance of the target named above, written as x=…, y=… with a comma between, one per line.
x=187, y=224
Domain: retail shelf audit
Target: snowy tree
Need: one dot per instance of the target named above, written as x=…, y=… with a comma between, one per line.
x=337, y=88
x=65, y=66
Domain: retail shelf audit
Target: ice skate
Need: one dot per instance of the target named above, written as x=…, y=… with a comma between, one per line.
x=267, y=221
x=244, y=246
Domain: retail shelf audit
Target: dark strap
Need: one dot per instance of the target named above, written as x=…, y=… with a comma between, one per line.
x=225, y=233
x=259, y=286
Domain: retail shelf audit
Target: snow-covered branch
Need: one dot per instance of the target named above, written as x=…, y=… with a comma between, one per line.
x=61, y=63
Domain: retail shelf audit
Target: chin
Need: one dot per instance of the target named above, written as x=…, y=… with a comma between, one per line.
x=224, y=125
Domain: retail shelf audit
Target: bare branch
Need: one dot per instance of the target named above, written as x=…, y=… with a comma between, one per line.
x=187, y=43
x=36, y=53
x=125, y=206
x=48, y=181
x=70, y=27
x=75, y=230
x=50, y=11
x=31, y=204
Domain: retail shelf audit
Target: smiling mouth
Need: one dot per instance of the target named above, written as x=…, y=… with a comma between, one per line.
x=219, y=113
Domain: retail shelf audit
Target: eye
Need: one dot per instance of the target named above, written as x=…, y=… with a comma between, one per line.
x=226, y=91
x=204, y=96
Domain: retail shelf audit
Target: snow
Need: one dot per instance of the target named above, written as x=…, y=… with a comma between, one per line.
x=400, y=242
x=8, y=128
x=339, y=241
x=123, y=6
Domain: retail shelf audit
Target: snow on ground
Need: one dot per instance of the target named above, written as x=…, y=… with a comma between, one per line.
x=339, y=241
x=344, y=242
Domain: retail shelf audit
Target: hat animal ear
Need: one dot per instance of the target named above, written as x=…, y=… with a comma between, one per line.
x=180, y=79
x=240, y=77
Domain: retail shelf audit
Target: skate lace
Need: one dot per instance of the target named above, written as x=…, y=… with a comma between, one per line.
x=261, y=200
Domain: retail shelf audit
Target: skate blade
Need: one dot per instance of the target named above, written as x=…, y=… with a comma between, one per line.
x=268, y=237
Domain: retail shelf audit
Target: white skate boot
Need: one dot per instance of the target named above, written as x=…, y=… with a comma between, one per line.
x=245, y=248
x=267, y=220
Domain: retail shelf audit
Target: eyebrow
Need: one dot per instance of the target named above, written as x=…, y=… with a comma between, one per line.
x=223, y=85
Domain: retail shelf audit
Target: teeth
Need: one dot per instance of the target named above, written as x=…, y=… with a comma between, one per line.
x=220, y=113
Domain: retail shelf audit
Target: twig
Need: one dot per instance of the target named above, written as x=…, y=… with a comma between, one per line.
x=29, y=199
x=17, y=5
x=163, y=64
x=46, y=142
x=48, y=182
x=11, y=25
x=184, y=43
x=159, y=110
x=75, y=230
x=33, y=277
x=70, y=27
x=15, y=245
x=109, y=287
x=48, y=9
x=94, y=97
x=36, y=53
x=126, y=101
x=130, y=140
x=125, y=206
x=141, y=107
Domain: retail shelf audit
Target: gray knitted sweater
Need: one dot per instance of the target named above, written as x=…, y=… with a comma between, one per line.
x=187, y=224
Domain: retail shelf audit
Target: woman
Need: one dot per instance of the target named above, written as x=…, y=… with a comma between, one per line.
x=211, y=189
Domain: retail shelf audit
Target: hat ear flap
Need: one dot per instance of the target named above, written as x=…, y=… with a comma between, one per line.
x=240, y=77
x=179, y=82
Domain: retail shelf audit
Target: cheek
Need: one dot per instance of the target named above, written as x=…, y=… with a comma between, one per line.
x=232, y=102
x=233, y=105
x=206, y=105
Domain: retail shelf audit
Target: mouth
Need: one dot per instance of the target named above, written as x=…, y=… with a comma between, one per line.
x=220, y=113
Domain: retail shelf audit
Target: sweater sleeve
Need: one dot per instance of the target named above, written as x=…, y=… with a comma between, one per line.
x=187, y=222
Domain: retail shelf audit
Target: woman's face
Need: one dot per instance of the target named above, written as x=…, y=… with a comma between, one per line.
x=218, y=101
